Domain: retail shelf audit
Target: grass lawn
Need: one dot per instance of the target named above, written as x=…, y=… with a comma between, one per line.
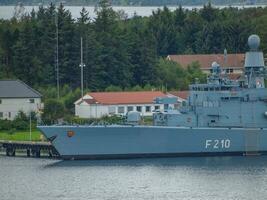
x=21, y=135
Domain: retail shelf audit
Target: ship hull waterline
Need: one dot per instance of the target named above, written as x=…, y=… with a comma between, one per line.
x=112, y=142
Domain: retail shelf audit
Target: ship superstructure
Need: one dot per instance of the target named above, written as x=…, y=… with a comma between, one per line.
x=222, y=116
x=222, y=102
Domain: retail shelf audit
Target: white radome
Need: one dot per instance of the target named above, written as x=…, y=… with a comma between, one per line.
x=254, y=42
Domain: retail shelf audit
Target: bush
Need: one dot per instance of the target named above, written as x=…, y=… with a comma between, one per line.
x=21, y=121
x=5, y=125
x=11, y=131
x=53, y=110
x=21, y=116
x=20, y=124
x=113, y=88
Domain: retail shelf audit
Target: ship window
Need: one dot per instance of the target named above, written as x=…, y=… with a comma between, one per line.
x=210, y=104
x=130, y=108
x=121, y=109
x=139, y=108
x=148, y=108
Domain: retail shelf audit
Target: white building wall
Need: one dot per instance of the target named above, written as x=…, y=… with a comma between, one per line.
x=9, y=108
x=91, y=111
x=97, y=110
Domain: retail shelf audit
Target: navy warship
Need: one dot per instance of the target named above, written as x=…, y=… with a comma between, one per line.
x=220, y=117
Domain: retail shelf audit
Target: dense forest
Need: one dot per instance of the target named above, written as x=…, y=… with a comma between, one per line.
x=121, y=53
x=134, y=2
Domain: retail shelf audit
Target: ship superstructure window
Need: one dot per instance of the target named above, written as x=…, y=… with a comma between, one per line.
x=120, y=109
x=130, y=108
x=139, y=108
x=148, y=108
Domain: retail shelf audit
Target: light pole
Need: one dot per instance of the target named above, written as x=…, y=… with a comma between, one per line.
x=30, y=111
x=82, y=65
x=56, y=63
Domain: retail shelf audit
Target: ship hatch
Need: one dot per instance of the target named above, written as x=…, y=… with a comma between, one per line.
x=252, y=142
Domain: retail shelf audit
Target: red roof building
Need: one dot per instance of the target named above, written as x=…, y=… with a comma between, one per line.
x=99, y=104
x=115, y=98
x=233, y=64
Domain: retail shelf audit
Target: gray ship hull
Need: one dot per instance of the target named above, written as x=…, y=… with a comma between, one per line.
x=94, y=142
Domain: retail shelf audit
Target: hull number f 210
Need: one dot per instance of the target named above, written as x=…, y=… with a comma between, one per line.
x=218, y=144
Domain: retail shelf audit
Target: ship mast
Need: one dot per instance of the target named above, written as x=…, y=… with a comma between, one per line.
x=254, y=64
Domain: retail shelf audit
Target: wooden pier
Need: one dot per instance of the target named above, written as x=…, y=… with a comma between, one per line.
x=32, y=149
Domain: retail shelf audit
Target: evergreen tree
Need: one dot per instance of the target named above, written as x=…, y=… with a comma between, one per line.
x=69, y=51
x=112, y=62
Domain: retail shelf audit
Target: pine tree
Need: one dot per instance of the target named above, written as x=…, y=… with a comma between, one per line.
x=112, y=62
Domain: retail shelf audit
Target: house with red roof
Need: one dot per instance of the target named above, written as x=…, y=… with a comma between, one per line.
x=99, y=104
x=232, y=64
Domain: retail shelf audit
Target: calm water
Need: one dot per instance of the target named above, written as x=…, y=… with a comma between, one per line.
x=173, y=178
x=6, y=12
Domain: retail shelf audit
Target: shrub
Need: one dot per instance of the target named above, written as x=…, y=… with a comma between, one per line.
x=53, y=110
x=20, y=125
x=5, y=125
x=21, y=121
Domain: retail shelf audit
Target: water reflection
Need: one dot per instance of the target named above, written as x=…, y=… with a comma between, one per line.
x=194, y=162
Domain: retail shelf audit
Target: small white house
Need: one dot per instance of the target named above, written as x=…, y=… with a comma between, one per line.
x=16, y=96
x=99, y=104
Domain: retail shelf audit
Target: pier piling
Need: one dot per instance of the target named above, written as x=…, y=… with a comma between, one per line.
x=32, y=149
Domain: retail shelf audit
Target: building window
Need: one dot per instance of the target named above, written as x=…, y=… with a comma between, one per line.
x=121, y=109
x=148, y=108
x=9, y=115
x=111, y=110
x=229, y=71
x=130, y=108
x=139, y=108
x=31, y=100
x=0, y=101
x=157, y=107
x=166, y=106
x=1, y=115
